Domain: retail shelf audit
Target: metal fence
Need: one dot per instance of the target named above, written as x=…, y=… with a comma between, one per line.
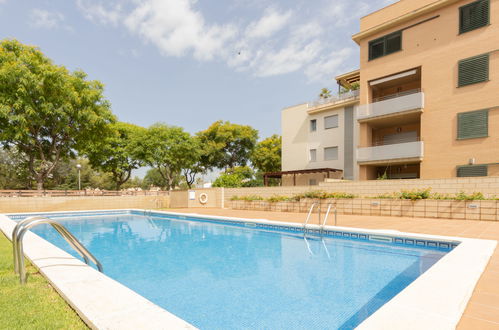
x=80, y=193
x=335, y=99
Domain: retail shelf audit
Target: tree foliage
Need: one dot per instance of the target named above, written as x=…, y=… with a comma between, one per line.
x=13, y=173
x=227, y=145
x=170, y=150
x=266, y=157
x=239, y=176
x=325, y=93
x=46, y=111
x=116, y=153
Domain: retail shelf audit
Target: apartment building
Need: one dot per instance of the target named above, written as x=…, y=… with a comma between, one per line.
x=429, y=90
x=319, y=138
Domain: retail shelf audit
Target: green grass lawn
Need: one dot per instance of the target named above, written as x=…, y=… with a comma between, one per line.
x=35, y=305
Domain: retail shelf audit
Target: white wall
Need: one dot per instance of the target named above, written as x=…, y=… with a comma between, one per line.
x=297, y=139
x=294, y=128
x=324, y=138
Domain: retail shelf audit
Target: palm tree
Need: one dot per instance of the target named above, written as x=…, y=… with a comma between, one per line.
x=325, y=93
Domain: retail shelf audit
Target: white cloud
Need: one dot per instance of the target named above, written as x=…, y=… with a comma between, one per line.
x=307, y=39
x=100, y=13
x=45, y=19
x=176, y=28
x=271, y=22
x=324, y=68
x=289, y=59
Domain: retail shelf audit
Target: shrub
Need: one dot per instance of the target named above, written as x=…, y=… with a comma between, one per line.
x=248, y=198
x=340, y=195
x=386, y=196
x=277, y=198
x=462, y=196
x=415, y=194
x=319, y=194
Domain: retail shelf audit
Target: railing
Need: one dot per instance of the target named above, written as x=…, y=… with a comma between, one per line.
x=318, y=204
x=410, y=100
x=17, y=243
x=334, y=99
x=391, y=151
x=310, y=213
x=60, y=193
x=397, y=141
x=395, y=95
x=327, y=215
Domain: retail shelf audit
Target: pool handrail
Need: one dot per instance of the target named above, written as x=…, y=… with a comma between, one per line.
x=327, y=215
x=21, y=229
x=309, y=214
x=27, y=221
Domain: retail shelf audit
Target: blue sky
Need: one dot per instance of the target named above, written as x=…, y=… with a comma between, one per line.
x=192, y=62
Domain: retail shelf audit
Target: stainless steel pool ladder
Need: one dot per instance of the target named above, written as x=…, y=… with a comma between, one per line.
x=319, y=215
x=309, y=214
x=327, y=215
x=17, y=243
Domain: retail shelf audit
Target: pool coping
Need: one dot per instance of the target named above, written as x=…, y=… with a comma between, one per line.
x=437, y=299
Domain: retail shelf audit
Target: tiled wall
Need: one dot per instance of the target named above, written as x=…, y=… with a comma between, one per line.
x=39, y=204
x=489, y=186
x=445, y=209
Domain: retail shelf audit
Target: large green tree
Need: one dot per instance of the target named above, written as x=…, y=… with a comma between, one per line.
x=13, y=172
x=170, y=150
x=266, y=157
x=46, y=111
x=227, y=145
x=116, y=153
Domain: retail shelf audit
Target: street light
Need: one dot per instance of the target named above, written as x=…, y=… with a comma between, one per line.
x=78, y=166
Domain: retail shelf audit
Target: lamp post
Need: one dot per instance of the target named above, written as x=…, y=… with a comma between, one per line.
x=78, y=166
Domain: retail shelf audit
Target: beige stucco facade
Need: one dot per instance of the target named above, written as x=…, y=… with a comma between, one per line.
x=432, y=44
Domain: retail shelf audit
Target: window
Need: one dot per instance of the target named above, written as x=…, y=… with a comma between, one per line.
x=312, y=182
x=472, y=170
x=313, y=125
x=331, y=153
x=473, y=70
x=331, y=121
x=385, y=45
x=473, y=16
x=313, y=155
x=473, y=124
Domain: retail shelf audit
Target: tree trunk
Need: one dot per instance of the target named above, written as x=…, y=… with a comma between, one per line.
x=39, y=184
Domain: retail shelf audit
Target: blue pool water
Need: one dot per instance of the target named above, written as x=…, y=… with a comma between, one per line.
x=218, y=276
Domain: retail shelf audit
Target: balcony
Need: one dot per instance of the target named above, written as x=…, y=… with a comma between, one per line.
x=392, y=104
x=340, y=99
x=389, y=152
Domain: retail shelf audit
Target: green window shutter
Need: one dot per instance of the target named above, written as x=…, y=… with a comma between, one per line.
x=473, y=124
x=385, y=45
x=376, y=48
x=472, y=170
x=474, y=15
x=473, y=70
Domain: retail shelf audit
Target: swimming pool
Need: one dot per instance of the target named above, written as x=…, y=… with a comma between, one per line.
x=220, y=274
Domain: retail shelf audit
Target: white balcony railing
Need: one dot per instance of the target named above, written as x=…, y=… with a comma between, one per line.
x=391, y=151
x=411, y=100
x=335, y=99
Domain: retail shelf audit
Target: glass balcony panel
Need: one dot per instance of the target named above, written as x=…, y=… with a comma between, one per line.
x=391, y=151
x=392, y=104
